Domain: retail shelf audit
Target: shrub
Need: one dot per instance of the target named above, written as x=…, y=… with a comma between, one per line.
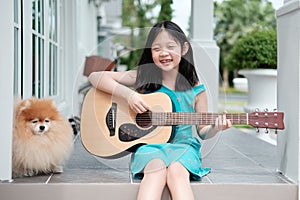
x=258, y=49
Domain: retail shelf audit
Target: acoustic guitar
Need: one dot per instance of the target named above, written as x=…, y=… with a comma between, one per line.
x=109, y=128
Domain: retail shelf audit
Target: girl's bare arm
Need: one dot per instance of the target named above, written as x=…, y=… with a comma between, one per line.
x=209, y=131
x=118, y=84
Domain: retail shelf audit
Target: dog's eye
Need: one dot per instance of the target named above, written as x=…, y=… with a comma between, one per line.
x=47, y=120
x=34, y=121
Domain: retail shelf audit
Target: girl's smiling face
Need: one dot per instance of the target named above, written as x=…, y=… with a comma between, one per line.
x=166, y=51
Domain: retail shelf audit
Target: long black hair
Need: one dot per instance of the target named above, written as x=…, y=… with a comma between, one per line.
x=149, y=76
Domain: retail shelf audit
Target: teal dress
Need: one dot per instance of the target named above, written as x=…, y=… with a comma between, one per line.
x=183, y=148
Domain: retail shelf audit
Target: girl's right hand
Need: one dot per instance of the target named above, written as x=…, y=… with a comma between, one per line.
x=137, y=103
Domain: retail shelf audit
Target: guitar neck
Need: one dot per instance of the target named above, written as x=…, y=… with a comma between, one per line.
x=176, y=118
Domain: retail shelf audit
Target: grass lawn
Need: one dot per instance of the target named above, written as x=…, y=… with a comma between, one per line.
x=231, y=90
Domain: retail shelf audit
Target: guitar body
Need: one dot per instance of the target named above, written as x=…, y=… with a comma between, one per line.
x=105, y=120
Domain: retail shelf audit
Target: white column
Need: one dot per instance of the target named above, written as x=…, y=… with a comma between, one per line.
x=27, y=47
x=70, y=58
x=206, y=52
x=6, y=85
x=288, y=98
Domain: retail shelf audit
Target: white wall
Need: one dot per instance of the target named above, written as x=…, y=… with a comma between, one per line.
x=206, y=52
x=84, y=37
x=288, y=18
x=79, y=38
x=6, y=86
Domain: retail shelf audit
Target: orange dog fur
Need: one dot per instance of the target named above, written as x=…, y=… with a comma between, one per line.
x=42, y=138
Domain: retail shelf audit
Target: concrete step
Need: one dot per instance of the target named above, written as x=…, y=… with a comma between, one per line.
x=128, y=191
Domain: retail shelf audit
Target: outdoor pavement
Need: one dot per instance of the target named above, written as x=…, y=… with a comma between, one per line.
x=235, y=157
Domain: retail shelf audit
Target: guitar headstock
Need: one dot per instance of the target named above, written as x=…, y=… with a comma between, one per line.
x=269, y=120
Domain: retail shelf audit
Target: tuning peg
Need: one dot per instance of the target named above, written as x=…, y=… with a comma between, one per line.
x=256, y=109
x=266, y=131
x=257, y=130
x=275, y=112
x=266, y=109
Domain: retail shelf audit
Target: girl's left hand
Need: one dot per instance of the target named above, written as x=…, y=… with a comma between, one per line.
x=222, y=123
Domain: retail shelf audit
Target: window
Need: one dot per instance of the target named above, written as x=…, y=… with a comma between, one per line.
x=38, y=43
x=53, y=48
x=45, y=48
x=37, y=49
x=17, y=49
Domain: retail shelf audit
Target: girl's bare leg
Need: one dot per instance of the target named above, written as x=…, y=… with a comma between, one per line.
x=154, y=181
x=178, y=181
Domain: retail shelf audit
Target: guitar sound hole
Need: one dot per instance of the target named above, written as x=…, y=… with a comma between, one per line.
x=144, y=119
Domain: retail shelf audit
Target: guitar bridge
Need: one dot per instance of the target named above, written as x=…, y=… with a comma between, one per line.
x=111, y=119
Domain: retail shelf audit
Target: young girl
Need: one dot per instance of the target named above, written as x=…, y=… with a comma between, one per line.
x=166, y=65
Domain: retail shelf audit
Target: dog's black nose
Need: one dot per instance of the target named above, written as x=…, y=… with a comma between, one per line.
x=42, y=128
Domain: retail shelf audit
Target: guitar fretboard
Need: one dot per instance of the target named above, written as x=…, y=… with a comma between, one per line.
x=176, y=118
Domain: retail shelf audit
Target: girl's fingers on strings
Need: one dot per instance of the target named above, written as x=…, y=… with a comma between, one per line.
x=136, y=109
x=217, y=123
x=143, y=107
x=222, y=122
x=140, y=107
x=229, y=124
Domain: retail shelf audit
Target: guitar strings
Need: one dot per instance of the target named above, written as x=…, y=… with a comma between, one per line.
x=201, y=117
x=204, y=118
x=182, y=116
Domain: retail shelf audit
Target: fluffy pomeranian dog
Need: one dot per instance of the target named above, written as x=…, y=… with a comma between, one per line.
x=42, y=138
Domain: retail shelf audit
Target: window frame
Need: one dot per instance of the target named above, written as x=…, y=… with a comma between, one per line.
x=37, y=53
x=17, y=48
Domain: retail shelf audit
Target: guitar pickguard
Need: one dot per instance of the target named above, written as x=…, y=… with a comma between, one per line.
x=130, y=132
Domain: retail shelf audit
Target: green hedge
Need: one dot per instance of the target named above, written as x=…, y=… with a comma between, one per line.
x=257, y=49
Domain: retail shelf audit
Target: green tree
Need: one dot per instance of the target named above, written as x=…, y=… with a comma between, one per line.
x=166, y=10
x=139, y=15
x=257, y=49
x=236, y=18
x=128, y=13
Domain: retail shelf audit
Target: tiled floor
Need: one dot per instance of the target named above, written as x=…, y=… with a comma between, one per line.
x=234, y=156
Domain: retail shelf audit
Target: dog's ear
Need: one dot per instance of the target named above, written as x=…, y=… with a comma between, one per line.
x=20, y=106
x=50, y=101
x=24, y=104
x=53, y=103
